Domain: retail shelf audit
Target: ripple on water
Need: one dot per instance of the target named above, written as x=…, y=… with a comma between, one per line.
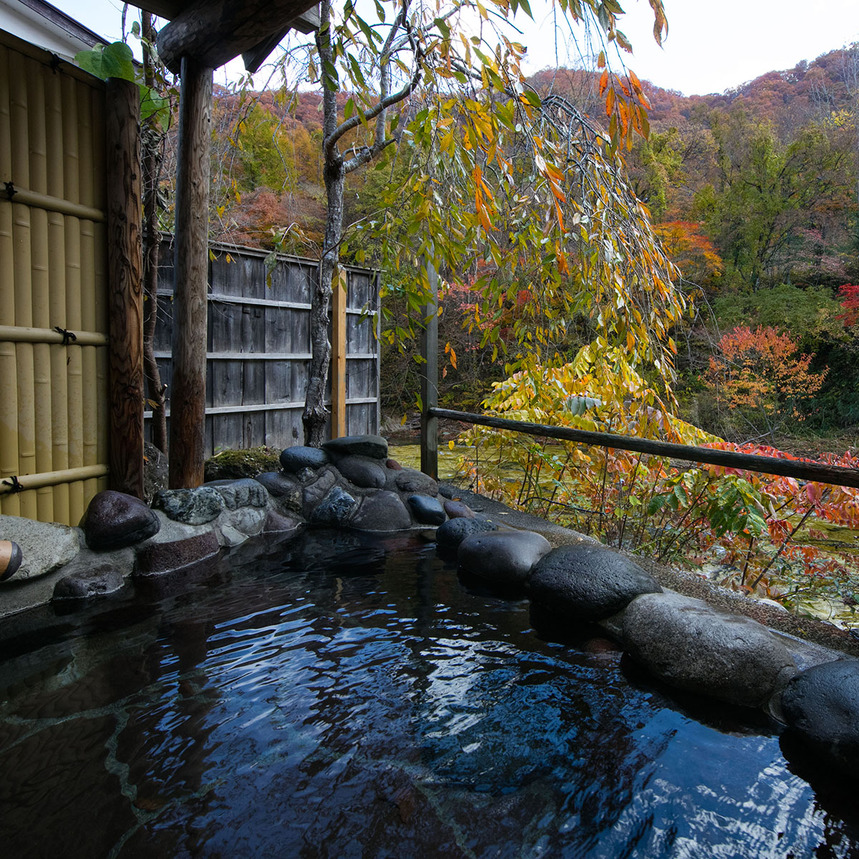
x=345, y=699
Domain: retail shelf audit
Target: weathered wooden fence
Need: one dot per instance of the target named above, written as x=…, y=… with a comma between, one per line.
x=53, y=290
x=258, y=348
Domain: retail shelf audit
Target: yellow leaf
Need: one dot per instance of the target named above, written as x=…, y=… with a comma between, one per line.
x=451, y=444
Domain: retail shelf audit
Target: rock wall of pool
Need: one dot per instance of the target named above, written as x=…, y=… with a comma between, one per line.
x=805, y=691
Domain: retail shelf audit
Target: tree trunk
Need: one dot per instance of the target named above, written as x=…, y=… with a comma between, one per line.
x=152, y=140
x=315, y=413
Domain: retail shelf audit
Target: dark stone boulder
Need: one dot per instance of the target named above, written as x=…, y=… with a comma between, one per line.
x=503, y=558
x=277, y=523
x=155, y=471
x=315, y=490
x=98, y=581
x=382, y=511
x=286, y=491
x=295, y=459
x=821, y=705
x=114, y=520
x=393, y=464
x=10, y=559
x=588, y=582
x=426, y=509
x=411, y=481
x=690, y=645
x=190, y=506
x=336, y=508
x=158, y=559
x=373, y=446
x=363, y=471
x=245, y=492
x=454, y=531
x=458, y=510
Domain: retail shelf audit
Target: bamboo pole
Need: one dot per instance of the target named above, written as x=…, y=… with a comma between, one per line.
x=20, y=160
x=33, y=482
x=188, y=395
x=37, y=142
x=22, y=334
x=338, y=354
x=8, y=351
x=74, y=359
x=57, y=286
x=40, y=294
x=51, y=203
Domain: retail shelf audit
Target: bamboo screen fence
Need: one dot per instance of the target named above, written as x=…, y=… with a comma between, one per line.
x=53, y=293
x=258, y=347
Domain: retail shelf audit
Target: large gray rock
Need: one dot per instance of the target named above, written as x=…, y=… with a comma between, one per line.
x=282, y=525
x=686, y=643
x=44, y=545
x=114, y=520
x=458, y=510
x=99, y=580
x=454, y=531
x=373, y=446
x=285, y=491
x=504, y=558
x=588, y=582
x=156, y=471
x=335, y=508
x=245, y=492
x=295, y=459
x=382, y=511
x=317, y=489
x=235, y=526
x=410, y=481
x=190, y=506
x=363, y=471
x=426, y=509
x=822, y=706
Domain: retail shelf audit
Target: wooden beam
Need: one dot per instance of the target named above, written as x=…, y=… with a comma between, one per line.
x=338, y=355
x=212, y=32
x=429, y=378
x=818, y=472
x=125, y=265
x=188, y=391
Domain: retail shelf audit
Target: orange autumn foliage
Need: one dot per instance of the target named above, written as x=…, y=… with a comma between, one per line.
x=761, y=369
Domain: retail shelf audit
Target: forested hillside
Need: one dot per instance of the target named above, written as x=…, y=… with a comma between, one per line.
x=754, y=194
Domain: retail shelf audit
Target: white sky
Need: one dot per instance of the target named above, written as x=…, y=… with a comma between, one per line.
x=711, y=46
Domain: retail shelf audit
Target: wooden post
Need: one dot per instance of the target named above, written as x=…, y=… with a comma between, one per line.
x=429, y=378
x=188, y=391
x=338, y=355
x=125, y=261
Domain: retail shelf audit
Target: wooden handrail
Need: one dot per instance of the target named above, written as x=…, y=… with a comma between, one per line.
x=817, y=472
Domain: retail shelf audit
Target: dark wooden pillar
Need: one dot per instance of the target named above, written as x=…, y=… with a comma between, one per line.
x=429, y=378
x=188, y=389
x=125, y=267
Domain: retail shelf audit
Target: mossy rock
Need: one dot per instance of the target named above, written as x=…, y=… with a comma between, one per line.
x=235, y=464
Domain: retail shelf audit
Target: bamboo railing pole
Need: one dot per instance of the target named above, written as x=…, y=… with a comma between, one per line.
x=37, y=142
x=57, y=282
x=338, y=354
x=10, y=505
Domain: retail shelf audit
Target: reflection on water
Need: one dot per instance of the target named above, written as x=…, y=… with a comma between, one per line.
x=347, y=698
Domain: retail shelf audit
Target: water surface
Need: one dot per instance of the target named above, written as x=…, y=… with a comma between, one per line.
x=344, y=697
